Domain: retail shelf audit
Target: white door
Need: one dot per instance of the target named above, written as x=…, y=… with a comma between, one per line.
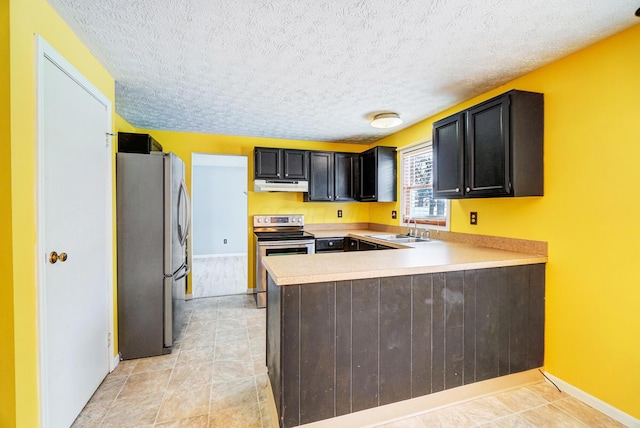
x=74, y=216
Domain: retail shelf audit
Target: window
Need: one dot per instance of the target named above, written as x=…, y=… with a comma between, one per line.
x=417, y=201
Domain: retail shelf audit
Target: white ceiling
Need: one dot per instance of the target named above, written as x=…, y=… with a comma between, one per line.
x=319, y=69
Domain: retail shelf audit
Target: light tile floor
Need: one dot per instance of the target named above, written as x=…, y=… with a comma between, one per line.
x=215, y=377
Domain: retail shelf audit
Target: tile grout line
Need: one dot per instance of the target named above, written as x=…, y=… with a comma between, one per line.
x=102, y=420
x=255, y=380
x=213, y=365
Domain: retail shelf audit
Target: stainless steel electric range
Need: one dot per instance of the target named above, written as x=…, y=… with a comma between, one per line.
x=278, y=235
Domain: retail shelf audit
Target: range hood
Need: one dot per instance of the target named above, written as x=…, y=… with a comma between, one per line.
x=280, y=186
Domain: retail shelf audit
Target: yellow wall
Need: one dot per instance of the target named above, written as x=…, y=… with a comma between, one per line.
x=184, y=144
x=7, y=360
x=588, y=215
x=590, y=128
x=29, y=17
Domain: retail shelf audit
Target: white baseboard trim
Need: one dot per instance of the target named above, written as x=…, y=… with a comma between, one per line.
x=594, y=402
x=114, y=362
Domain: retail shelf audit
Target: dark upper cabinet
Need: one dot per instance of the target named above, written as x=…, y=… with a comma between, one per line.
x=267, y=163
x=368, y=176
x=280, y=164
x=330, y=177
x=295, y=164
x=343, y=176
x=320, y=177
x=487, y=168
x=448, y=154
x=493, y=149
x=377, y=175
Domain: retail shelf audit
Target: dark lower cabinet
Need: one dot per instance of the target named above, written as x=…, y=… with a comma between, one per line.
x=366, y=246
x=354, y=244
x=329, y=245
x=339, y=347
x=351, y=244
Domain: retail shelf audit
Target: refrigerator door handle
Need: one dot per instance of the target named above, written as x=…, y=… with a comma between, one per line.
x=185, y=271
x=184, y=214
x=168, y=312
x=188, y=207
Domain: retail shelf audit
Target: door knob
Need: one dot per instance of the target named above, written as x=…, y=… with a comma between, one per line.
x=54, y=257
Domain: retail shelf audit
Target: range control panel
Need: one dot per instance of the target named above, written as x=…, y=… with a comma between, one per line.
x=278, y=220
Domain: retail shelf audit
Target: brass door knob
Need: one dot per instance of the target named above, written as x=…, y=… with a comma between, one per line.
x=54, y=257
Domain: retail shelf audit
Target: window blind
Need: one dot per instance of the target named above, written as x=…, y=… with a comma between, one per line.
x=417, y=188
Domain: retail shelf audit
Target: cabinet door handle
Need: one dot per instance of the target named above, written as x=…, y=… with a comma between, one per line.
x=457, y=189
x=468, y=189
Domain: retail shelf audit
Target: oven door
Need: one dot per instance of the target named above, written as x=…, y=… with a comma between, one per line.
x=276, y=248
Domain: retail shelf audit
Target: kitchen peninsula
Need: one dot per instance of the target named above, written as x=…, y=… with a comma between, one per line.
x=353, y=331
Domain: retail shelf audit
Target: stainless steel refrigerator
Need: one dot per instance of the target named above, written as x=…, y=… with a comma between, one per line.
x=153, y=214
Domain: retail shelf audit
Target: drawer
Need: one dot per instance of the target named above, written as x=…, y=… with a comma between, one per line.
x=329, y=244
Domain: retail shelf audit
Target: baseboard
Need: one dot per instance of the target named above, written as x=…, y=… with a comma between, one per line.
x=114, y=362
x=271, y=404
x=404, y=409
x=594, y=402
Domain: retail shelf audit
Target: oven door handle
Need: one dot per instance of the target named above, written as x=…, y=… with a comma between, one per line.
x=285, y=244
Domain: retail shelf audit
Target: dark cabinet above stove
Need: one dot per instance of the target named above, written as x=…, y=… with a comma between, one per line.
x=280, y=164
x=326, y=176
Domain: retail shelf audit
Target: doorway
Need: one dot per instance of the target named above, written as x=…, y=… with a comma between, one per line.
x=219, y=227
x=75, y=240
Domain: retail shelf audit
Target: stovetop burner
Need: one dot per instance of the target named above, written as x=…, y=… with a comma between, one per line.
x=283, y=236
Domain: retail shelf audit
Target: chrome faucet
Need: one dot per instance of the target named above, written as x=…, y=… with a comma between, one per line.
x=415, y=227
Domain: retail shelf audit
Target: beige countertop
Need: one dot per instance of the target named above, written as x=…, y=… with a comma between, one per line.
x=409, y=259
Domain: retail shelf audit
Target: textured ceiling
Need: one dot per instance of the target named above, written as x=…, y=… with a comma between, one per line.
x=318, y=69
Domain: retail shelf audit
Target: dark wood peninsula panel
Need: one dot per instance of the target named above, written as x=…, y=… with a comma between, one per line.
x=335, y=348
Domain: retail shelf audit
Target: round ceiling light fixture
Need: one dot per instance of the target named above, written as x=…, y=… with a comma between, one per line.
x=386, y=120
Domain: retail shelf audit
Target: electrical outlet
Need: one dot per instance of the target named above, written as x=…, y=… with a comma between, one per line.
x=339, y=213
x=473, y=217
x=394, y=214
